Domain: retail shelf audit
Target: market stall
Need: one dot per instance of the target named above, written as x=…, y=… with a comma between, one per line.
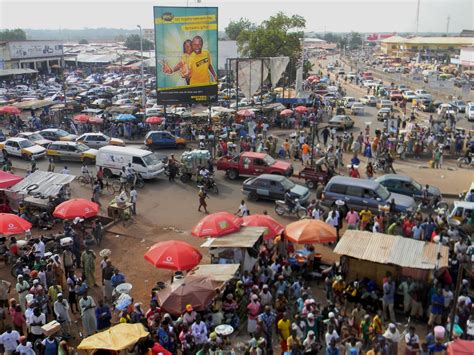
x=372, y=255
x=236, y=248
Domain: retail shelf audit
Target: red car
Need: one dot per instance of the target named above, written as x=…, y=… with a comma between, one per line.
x=250, y=163
x=396, y=95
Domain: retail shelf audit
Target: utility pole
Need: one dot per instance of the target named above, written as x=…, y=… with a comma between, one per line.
x=141, y=67
x=417, y=17
x=447, y=24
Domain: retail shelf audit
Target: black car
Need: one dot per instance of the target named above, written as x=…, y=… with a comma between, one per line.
x=274, y=187
x=405, y=185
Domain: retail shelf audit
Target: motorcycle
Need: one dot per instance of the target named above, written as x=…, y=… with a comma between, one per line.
x=281, y=208
x=209, y=184
x=464, y=162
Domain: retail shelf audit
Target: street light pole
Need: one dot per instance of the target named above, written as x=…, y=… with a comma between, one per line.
x=141, y=66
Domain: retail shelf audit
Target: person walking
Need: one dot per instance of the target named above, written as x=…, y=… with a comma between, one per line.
x=202, y=200
x=87, y=307
x=133, y=199
x=88, y=267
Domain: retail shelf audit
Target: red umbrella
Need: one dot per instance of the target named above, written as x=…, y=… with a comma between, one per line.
x=96, y=119
x=173, y=255
x=273, y=228
x=246, y=113
x=217, y=224
x=301, y=109
x=78, y=207
x=154, y=120
x=82, y=118
x=10, y=109
x=286, y=112
x=12, y=224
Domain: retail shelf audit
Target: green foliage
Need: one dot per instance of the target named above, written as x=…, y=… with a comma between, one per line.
x=83, y=41
x=133, y=42
x=280, y=35
x=13, y=35
x=234, y=28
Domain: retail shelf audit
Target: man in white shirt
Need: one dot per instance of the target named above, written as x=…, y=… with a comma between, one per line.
x=9, y=340
x=133, y=200
x=25, y=347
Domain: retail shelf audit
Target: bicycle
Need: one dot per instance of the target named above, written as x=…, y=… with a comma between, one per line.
x=112, y=187
x=85, y=180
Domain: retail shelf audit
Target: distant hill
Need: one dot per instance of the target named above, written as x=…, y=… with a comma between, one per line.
x=90, y=34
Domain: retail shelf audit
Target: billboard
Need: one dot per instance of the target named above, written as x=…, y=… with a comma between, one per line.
x=186, y=54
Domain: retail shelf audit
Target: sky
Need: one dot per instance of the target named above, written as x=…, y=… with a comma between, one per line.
x=320, y=15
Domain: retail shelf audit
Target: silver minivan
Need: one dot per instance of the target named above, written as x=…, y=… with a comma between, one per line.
x=362, y=193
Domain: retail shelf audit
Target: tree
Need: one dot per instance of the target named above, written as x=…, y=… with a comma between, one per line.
x=13, y=35
x=280, y=35
x=355, y=40
x=83, y=41
x=133, y=42
x=234, y=28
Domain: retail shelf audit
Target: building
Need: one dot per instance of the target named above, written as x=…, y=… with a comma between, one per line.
x=149, y=34
x=428, y=46
x=38, y=55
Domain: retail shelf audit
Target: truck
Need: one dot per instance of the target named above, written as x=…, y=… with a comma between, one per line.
x=250, y=163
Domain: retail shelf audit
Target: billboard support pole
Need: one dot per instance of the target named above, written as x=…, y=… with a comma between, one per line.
x=236, y=85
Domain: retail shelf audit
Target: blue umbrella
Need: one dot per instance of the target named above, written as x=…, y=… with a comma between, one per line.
x=125, y=117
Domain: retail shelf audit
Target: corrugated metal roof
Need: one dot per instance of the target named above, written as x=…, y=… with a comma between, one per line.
x=49, y=184
x=391, y=249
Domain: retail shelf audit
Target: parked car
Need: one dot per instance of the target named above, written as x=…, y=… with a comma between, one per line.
x=409, y=95
x=35, y=137
x=274, y=187
x=250, y=163
x=361, y=193
x=383, y=113
x=368, y=100
x=395, y=95
x=470, y=111
x=71, y=151
x=98, y=140
x=163, y=139
x=459, y=105
x=22, y=147
x=406, y=185
x=357, y=109
x=385, y=104
x=341, y=122
x=56, y=134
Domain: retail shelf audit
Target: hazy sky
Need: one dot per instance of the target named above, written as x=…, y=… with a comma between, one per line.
x=321, y=15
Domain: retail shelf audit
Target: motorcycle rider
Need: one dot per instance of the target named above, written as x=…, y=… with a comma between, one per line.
x=290, y=201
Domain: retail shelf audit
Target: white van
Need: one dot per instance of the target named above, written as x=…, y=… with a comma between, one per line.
x=144, y=162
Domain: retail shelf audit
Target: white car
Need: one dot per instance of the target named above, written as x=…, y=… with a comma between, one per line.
x=22, y=147
x=98, y=140
x=368, y=100
x=349, y=101
x=470, y=111
x=423, y=93
x=357, y=109
x=409, y=95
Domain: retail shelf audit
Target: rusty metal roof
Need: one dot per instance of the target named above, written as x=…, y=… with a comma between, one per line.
x=391, y=249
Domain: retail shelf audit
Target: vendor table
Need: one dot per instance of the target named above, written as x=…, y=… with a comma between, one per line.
x=118, y=212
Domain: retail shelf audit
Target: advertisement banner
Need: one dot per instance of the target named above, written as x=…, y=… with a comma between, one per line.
x=186, y=54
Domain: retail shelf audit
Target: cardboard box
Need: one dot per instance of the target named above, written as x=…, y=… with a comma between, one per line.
x=52, y=327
